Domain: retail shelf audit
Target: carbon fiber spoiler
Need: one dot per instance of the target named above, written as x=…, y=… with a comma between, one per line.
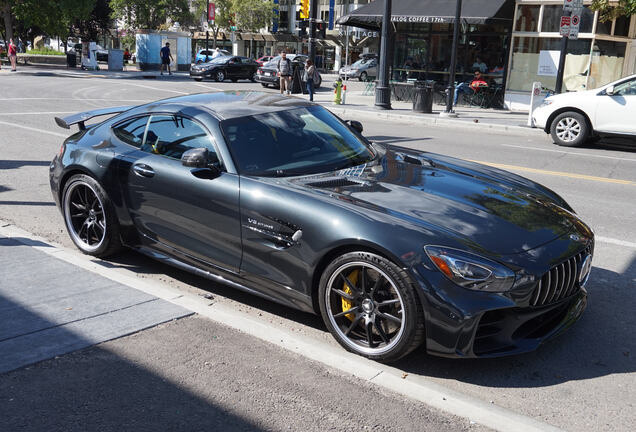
x=81, y=117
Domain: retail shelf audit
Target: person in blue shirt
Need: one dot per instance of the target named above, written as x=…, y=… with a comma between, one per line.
x=166, y=58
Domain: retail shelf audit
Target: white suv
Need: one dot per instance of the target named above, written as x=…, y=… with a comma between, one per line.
x=572, y=118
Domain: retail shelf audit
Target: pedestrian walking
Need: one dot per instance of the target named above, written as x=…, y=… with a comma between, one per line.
x=310, y=70
x=13, y=55
x=216, y=53
x=166, y=58
x=285, y=73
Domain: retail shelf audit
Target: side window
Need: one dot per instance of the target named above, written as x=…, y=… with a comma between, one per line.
x=132, y=131
x=627, y=88
x=172, y=135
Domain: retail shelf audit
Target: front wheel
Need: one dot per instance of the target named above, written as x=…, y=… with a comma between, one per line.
x=569, y=129
x=220, y=76
x=370, y=306
x=363, y=76
x=90, y=217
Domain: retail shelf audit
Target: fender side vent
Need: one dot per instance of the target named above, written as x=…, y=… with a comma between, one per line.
x=335, y=182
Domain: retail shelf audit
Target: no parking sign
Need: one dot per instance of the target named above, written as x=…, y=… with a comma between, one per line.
x=574, y=26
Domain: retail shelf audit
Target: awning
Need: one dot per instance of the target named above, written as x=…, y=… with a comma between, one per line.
x=269, y=37
x=285, y=37
x=430, y=12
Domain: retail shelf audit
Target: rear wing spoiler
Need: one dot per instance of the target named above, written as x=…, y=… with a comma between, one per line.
x=80, y=118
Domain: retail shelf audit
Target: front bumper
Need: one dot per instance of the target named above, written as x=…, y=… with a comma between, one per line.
x=540, y=117
x=200, y=73
x=472, y=324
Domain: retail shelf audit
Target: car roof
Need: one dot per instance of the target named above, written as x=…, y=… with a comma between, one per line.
x=228, y=104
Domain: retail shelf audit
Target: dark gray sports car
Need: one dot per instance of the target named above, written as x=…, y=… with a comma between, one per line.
x=279, y=197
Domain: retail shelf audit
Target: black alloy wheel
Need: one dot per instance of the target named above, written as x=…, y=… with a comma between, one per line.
x=220, y=76
x=89, y=217
x=370, y=306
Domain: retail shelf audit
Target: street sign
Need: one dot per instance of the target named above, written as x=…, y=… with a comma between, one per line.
x=570, y=5
x=564, y=29
x=575, y=20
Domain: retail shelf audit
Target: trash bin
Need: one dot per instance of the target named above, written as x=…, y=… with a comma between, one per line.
x=71, y=60
x=423, y=97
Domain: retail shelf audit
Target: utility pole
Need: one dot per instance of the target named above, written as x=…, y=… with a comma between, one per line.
x=207, y=32
x=382, y=89
x=313, y=12
x=453, y=66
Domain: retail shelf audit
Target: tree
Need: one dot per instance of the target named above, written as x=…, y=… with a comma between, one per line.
x=152, y=14
x=252, y=15
x=608, y=10
x=222, y=17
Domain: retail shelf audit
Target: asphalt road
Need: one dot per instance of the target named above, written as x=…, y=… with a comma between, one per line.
x=585, y=380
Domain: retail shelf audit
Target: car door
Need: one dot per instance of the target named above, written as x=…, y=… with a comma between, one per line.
x=175, y=207
x=615, y=112
x=248, y=69
x=234, y=68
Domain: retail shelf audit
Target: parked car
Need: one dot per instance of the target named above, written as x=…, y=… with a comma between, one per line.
x=226, y=67
x=267, y=74
x=101, y=53
x=201, y=55
x=362, y=69
x=572, y=118
x=264, y=59
x=275, y=195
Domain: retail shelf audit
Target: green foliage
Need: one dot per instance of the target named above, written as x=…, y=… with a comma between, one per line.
x=608, y=10
x=52, y=17
x=153, y=14
x=252, y=15
x=46, y=51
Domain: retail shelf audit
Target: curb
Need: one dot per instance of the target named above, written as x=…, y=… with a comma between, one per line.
x=433, y=120
x=393, y=379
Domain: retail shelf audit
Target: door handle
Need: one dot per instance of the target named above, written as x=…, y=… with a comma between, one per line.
x=143, y=170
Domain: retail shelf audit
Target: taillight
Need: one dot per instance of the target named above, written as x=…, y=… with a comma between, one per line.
x=61, y=152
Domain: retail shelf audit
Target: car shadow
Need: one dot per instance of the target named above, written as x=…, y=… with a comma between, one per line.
x=14, y=164
x=143, y=265
x=601, y=343
x=613, y=143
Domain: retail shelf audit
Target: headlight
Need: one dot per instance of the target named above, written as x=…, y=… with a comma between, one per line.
x=545, y=103
x=471, y=271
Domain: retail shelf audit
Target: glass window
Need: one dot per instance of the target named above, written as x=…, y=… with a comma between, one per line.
x=607, y=62
x=552, y=19
x=525, y=63
x=172, y=135
x=622, y=26
x=604, y=27
x=626, y=88
x=527, y=18
x=132, y=131
x=294, y=142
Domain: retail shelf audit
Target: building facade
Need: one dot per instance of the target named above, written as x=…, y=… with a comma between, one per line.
x=603, y=52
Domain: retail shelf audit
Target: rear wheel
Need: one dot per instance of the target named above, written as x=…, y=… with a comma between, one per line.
x=569, y=129
x=363, y=76
x=265, y=85
x=90, y=217
x=370, y=306
x=198, y=79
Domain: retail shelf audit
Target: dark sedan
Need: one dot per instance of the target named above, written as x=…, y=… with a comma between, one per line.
x=277, y=196
x=219, y=69
x=268, y=73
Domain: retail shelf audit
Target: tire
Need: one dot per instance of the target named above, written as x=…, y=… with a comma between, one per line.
x=219, y=76
x=569, y=129
x=386, y=322
x=199, y=61
x=265, y=85
x=198, y=79
x=363, y=76
x=90, y=217
x=234, y=80
x=317, y=83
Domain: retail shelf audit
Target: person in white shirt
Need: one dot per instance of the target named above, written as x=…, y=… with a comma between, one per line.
x=480, y=65
x=216, y=53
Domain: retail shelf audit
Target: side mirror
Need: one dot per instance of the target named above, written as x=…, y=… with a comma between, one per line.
x=195, y=158
x=609, y=91
x=355, y=125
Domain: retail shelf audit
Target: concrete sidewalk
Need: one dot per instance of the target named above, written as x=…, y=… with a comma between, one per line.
x=49, y=307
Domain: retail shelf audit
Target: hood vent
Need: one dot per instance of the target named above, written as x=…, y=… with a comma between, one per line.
x=334, y=182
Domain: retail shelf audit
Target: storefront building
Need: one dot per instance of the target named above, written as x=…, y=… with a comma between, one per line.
x=603, y=52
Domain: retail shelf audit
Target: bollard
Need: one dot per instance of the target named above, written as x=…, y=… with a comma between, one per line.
x=344, y=94
x=536, y=92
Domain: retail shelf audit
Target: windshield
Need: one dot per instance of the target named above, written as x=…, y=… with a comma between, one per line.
x=219, y=59
x=300, y=141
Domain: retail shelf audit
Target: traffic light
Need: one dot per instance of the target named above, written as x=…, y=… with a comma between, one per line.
x=321, y=30
x=304, y=9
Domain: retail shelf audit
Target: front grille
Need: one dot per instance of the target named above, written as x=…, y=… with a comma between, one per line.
x=560, y=282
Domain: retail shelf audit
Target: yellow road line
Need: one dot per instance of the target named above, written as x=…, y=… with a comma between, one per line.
x=558, y=173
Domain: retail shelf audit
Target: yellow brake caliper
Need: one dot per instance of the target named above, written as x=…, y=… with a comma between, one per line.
x=346, y=304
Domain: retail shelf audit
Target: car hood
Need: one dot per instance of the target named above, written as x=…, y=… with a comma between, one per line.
x=489, y=209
